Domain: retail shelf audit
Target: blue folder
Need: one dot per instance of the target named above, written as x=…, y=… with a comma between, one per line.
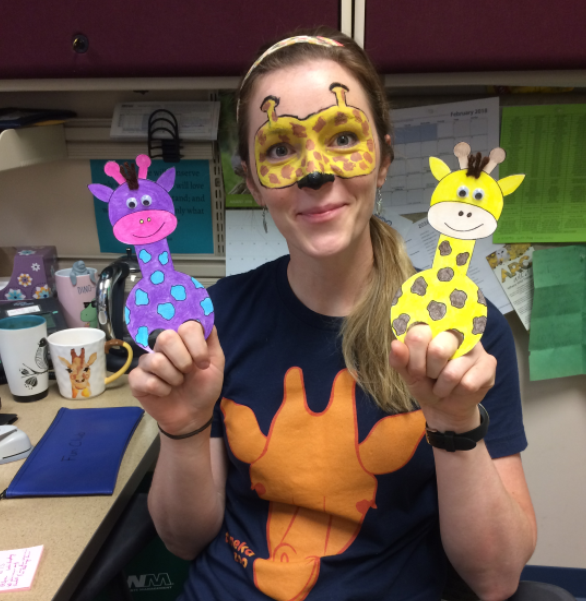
x=80, y=454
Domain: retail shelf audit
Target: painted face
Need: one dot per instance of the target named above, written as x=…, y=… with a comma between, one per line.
x=335, y=141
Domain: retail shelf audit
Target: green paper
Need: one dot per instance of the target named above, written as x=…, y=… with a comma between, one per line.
x=557, y=341
x=547, y=144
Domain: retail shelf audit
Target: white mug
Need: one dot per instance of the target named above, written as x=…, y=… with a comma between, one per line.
x=75, y=299
x=79, y=361
x=25, y=356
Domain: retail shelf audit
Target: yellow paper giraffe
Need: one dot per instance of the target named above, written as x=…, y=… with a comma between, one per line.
x=465, y=206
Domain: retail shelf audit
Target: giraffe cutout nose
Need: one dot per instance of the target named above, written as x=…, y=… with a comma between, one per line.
x=315, y=180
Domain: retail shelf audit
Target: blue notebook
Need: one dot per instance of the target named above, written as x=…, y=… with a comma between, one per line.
x=80, y=454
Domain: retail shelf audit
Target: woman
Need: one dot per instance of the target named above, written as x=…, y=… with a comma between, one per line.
x=311, y=485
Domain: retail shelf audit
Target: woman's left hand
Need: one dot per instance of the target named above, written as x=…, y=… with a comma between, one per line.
x=448, y=391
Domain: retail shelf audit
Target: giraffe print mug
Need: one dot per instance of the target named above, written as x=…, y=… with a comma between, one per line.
x=79, y=361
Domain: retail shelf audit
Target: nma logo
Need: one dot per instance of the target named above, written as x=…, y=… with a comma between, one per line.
x=150, y=581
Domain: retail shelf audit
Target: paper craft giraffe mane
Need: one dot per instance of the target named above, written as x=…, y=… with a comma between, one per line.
x=465, y=206
x=142, y=213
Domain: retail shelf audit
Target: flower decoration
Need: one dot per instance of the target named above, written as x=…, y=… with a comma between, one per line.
x=14, y=295
x=26, y=252
x=35, y=267
x=42, y=292
x=24, y=279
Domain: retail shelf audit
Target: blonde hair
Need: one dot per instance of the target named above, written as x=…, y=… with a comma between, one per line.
x=366, y=331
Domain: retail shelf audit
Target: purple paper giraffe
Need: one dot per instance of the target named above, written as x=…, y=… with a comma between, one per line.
x=142, y=213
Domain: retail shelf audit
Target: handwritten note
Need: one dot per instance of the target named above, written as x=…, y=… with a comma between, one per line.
x=18, y=568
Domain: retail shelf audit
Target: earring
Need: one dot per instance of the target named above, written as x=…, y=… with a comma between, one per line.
x=379, y=202
x=264, y=218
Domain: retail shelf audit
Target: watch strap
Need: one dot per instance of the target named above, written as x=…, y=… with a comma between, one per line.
x=451, y=442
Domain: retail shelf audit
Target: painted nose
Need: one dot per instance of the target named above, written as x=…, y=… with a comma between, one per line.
x=315, y=180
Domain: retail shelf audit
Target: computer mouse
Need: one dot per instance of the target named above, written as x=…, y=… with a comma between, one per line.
x=14, y=444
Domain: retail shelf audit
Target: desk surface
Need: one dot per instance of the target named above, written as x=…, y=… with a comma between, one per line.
x=72, y=529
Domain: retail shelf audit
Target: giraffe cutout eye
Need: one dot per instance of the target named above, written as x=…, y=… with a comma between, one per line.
x=463, y=192
x=478, y=194
x=131, y=203
x=146, y=200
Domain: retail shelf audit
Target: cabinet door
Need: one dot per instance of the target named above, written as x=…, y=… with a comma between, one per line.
x=147, y=39
x=424, y=36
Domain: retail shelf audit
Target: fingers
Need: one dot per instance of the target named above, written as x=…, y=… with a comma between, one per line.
x=468, y=375
x=439, y=352
x=193, y=340
x=417, y=341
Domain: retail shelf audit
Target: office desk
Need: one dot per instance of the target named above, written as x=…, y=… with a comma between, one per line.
x=72, y=529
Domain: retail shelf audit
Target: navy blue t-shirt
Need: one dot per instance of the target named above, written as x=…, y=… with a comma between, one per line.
x=327, y=496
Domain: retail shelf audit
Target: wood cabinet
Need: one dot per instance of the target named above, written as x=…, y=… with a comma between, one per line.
x=431, y=36
x=167, y=38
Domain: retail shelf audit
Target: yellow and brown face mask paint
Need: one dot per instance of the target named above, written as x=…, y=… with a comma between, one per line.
x=313, y=156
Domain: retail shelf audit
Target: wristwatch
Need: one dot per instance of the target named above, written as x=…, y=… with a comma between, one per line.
x=451, y=442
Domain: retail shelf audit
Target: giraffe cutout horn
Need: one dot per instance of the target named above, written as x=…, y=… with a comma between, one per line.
x=462, y=151
x=143, y=162
x=340, y=91
x=269, y=106
x=112, y=169
x=496, y=157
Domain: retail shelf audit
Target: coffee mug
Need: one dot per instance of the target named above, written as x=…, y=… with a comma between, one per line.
x=78, y=299
x=79, y=361
x=25, y=356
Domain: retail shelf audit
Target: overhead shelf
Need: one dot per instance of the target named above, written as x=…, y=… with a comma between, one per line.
x=31, y=145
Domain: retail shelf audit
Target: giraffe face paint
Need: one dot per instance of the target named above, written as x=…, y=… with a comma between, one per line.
x=336, y=141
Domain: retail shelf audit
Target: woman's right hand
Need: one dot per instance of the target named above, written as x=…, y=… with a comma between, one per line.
x=179, y=384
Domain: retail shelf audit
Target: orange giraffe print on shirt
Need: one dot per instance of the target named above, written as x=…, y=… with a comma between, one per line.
x=319, y=480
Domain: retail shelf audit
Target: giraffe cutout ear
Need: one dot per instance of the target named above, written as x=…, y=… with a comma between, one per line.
x=509, y=184
x=167, y=180
x=438, y=168
x=101, y=192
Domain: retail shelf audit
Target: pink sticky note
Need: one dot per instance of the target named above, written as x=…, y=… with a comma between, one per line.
x=18, y=568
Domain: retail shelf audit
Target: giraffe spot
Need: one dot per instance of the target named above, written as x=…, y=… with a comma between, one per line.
x=262, y=157
x=370, y=145
x=458, y=298
x=310, y=145
x=166, y=310
x=319, y=124
x=357, y=115
x=287, y=172
x=144, y=256
x=264, y=170
x=299, y=172
x=363, y=506
x=445, y=248
x=365, y=127
x=164, y=258
x=419, y=286
x=317, y=155
x=261, y=137
x=260, y=489
x=158, y=277
x=339, y=159
x=322, y=167
x=178, y=293
x=298, y=130
x=363, y=165
x=337, y=170
x=141, y=297
x=436, y=310
x=303, y=161
x=481, y=298
x=196, y=283
x=400, y=324
x=367, y=157
x=462, y=258
x=274, y=179
x=142, y=336
x=284, y=138
x=445, y=274
x=397, y=297
x=340, y=119
x=207, y=306
x=348, y=166
x=310, y=166
x=356, y=156
x=479, y=325
x=326, y=159
x=126, y=315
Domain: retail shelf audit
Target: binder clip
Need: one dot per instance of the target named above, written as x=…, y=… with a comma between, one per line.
x=160, y=146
